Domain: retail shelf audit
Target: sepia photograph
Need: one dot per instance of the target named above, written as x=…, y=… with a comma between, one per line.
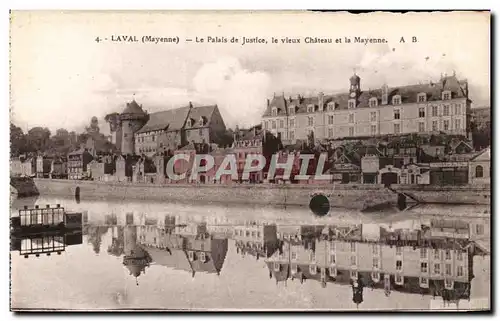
x=250, y=161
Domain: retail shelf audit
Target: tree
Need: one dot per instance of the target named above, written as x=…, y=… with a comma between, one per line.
x=38, y=139
x=17, y=140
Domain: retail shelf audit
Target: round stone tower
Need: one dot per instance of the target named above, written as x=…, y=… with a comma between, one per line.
x=132, y=119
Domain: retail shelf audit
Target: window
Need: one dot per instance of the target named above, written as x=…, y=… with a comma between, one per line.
x=291, y=110
x=312, y=269
x=459, y=255
x=423, y=267
x=375, y=263
x=448, y=269
x=479, y=171
x=373, y=116
x=375, y=249
x=191, y=256
x=330, y=132
x=312, y=257
x=200, y=132
x=423, y=253
x=310, y=121
x=397, y=128
x=203, y=257
x=423, y=281
x=399, y=279
x=434, y=111
x=351, y=118
x=282, y=124
x=294, y=268
x=333, y=272
x=457, y=109
x=479, y=229
x=274, y=112
x=331, y=106
x=247, y=233
x=448, y=284
x=353, y=260
x=396, y=100
x=437, y=255
x=330, y=120
x=399, y=265
x=258, y=234
x=354, y=274
x=265, y=125
x=253, y=233
x=276, y=266
x=421, y=127
x=446, y=125
x=447, y=255
x=421, y=98
x=273, y=124
x=399, y=250
x=373, y=129
x=351, y=131
x=292, y=122
x=353, y=247
x=437, y=268
x=397, y=115
x=446, y=95
x=373, y=102
x=294, y=255
x=460, y=271
x=310, y=108
x=446, y=110
x=421, y=112
x=292, y=134
x=375, y=276
x=435, y=126
x=351, y=104
x=332, y=259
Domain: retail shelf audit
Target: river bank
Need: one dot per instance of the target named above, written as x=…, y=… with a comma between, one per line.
x=349, y=196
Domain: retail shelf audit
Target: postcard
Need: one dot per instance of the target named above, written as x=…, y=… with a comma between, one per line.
x=250, y=161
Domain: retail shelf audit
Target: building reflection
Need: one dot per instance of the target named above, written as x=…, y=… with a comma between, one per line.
x=45, y=243
x=432, y=259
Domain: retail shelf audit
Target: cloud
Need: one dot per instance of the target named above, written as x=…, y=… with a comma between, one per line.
x=239, y=93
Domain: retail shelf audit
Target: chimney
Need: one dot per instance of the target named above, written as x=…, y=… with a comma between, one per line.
x=385, y=94
x=190, y=105
x=320, y=101
x=267, y=102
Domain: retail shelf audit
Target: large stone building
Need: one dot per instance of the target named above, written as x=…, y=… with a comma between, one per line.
x=422, y=108
x=165, y=131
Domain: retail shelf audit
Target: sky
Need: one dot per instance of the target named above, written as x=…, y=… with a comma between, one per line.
x=61, y=77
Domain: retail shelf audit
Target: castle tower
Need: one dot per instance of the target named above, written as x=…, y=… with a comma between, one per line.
x=132, y=119
x=355, y=87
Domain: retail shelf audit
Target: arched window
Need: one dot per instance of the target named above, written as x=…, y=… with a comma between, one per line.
x=479, y=171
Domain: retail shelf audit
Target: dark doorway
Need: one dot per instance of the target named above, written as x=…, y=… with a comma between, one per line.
x=389, y=178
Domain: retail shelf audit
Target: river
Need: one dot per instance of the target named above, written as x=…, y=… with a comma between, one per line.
x=115, y=265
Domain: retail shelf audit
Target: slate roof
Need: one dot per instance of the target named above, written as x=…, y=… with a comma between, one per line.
x=170, y=120
x=202, y=111
x=175, y=258
x=133, y=108
x=409, y=94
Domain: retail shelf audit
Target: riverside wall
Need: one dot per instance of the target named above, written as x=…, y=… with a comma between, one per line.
x=352, y=197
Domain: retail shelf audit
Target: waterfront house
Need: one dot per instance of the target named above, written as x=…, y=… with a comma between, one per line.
x=29, y=167
x=449, y=173
x=78, y=164
x=59, y=168
x=16, y=166
x=206, y=253
x=248, y=142
x=480, y=168
x=43, y=166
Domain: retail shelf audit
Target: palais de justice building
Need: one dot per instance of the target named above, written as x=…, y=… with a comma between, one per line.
x=421, y=108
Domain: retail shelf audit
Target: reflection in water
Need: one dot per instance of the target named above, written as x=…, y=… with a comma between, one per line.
x=432, y=258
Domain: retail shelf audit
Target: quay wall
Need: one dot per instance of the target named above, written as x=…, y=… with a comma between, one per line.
x=466, y=194
x=352, y=197
x=23, y=187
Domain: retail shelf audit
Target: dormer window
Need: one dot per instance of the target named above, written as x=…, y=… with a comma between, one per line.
x=201, y=121
x=274, y=111
x=191, y=256
x=291, y=110
x=276, y=267
x=331, y=106
x=312, y=269
x=373, y=102
x=351, y=104
x=448, y=284
x=203, y=257
x=310, y=108
x=333, y=271
x=396, y=100
x=190, y=122
x=422, y=98
x=446, y=95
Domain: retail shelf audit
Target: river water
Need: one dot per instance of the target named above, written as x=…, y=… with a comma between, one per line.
x=114, y=265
